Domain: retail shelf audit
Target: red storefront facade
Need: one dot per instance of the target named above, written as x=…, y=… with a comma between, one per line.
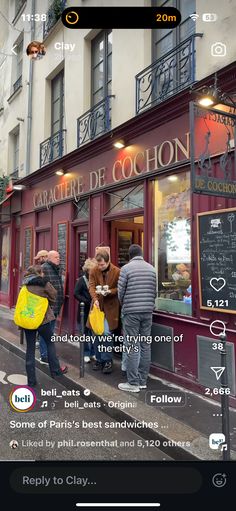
x=110, y=197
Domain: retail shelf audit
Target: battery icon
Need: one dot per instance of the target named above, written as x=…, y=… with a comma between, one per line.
x=209, y=16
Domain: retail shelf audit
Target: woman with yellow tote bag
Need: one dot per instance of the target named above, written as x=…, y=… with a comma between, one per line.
x=33, y=313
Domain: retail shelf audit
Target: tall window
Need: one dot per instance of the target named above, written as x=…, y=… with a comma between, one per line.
x=101, y=66
x=16, y=152
x=57, y=115
x=165, y=40
x=172, y=243
x=17, y=64
x=14, y=138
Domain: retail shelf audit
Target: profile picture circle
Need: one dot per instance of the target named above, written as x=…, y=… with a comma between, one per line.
x=22, y=399
x=35, y=50
x=13, y=444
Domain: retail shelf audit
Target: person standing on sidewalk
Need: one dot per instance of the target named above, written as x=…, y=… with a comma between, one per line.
x=38, y=284
x=52, y=271
x=81, y=293
x=41, y=258
x=105, y=274
x=137, y=289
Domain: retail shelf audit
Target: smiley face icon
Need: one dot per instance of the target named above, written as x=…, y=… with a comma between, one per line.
x=219, y=480
x=72, y=18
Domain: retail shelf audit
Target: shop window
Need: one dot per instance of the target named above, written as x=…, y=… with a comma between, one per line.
x=82, y=210
x=5, y=259
x=172, y=243
x=125, y=200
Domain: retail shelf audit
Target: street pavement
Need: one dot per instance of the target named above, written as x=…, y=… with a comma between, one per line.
x=59, y=441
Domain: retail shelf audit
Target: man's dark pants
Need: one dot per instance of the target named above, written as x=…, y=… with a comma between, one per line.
x=138, y=360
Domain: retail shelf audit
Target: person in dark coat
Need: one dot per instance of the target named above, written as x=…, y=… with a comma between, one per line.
x=38, y=284
x=81, y=293
x=52, y=270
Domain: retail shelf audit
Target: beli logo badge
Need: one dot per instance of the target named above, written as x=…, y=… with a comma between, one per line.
x=22, y=399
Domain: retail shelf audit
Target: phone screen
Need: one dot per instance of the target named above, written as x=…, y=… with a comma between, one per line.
x=117, y=253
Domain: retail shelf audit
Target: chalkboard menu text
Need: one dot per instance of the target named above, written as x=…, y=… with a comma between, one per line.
x=62, y=244
x=217, y=260
x=28, y=247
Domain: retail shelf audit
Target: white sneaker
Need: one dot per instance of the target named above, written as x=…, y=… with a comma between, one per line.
x=142, y=386
x=86, y=359
x=128, y=388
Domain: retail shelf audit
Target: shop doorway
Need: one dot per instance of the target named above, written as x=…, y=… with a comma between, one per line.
x=16, y=269
x=124, y=233
x=81, y=254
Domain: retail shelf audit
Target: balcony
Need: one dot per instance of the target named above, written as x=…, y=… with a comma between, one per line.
x=53, y=15
x=95, y=122
x=167, y=76
x=52, y=148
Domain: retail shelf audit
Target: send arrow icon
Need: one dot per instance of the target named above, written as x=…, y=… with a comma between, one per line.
x=218, y=371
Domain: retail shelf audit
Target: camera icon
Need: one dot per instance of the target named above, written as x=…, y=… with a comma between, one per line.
x=218, y=49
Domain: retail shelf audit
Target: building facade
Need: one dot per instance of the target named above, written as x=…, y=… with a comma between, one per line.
x=60, y=118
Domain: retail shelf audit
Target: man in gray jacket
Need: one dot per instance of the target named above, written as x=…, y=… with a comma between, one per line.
x=137, y=289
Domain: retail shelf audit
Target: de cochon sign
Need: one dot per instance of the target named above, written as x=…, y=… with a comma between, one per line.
x=148, y=160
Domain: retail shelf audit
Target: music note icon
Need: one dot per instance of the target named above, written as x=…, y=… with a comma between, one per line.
x=224, y=447
x=44, y=404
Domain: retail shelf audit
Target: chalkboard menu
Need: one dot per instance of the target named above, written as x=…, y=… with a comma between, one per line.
x=28, y=247
x=62, y=244
x=217, y=260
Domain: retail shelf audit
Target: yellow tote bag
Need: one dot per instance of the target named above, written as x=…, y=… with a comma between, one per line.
x=96, y=319
x=30, y=309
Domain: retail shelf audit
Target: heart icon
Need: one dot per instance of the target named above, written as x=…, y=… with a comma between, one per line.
x=217, y=284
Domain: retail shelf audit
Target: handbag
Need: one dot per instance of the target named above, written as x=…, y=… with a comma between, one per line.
x=96, y=320
x=30, y=309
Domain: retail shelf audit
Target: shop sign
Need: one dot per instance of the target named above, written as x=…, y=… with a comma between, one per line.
x=131, y=165
x=213, y=133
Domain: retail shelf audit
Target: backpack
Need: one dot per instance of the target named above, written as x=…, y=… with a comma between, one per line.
x=30, y=310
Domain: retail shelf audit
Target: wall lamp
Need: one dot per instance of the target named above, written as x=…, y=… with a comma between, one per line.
x=212, y=95
x=59, y=172
x=119, y=144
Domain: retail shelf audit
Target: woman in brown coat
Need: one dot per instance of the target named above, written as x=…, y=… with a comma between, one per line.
x=38, y=285
x=106, y=299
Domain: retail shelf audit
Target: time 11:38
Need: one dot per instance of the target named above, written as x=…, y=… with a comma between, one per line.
x=34, y=17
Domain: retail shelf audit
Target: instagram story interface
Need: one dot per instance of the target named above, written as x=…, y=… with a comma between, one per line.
x=117, y=242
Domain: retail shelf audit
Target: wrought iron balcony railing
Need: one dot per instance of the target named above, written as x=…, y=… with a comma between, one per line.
x=94, y=122
x=52, y=148
x=53, y=14
x=17, y=85
x=166, y=76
